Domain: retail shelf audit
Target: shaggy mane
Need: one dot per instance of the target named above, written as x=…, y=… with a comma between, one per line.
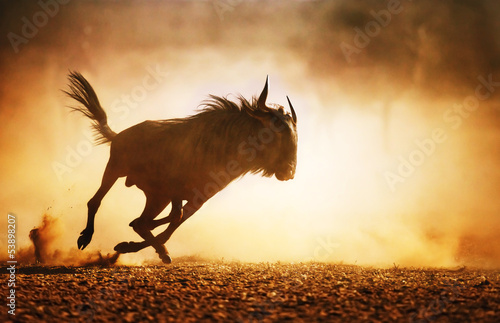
x=217, y=103
x=228, y=124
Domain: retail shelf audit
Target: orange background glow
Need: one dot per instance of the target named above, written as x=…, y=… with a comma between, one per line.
x=373, y=185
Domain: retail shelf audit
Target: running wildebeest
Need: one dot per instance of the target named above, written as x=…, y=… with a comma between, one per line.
x=187, y=159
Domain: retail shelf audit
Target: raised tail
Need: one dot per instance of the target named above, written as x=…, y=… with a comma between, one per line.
x=82, y=91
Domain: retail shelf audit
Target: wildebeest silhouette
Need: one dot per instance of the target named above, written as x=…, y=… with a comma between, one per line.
x=187, y=159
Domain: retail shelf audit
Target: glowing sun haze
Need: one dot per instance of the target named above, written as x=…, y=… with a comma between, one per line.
x=392, y=168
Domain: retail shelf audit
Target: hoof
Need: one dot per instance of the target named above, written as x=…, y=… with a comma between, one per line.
x=126, y=247
x=166, y=259
x=131, y=224
x=148, y=226
x=163, y=254
x=84, y=239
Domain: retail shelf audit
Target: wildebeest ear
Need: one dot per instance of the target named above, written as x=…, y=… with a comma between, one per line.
x=261, y=103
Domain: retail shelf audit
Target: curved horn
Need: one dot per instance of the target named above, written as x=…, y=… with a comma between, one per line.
x=294, y=116
x=261, y=103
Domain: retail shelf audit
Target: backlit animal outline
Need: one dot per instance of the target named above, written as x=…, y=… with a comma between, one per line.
x=187, y=159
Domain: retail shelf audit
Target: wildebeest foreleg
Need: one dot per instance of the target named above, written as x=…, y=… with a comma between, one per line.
x=175, y=214
x=187, y=211
x=154, y=206
x=108, y=179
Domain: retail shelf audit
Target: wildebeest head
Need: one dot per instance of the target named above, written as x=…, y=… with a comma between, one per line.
x=281, y=152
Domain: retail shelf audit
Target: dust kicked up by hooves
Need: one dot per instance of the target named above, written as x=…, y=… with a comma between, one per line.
x=43, y=252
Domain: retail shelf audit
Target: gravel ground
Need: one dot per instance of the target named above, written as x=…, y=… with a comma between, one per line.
x=242, y=292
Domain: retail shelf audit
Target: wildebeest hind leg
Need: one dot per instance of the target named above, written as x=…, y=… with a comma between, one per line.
x=108, y=179
x=154, y=206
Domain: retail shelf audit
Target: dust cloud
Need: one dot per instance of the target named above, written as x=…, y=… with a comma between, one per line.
x=48, y=248
x=398, y=110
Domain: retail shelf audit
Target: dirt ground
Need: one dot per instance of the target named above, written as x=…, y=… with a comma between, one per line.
x=243, y=292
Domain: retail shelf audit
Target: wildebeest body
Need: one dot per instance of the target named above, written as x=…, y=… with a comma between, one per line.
x=178, y=157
